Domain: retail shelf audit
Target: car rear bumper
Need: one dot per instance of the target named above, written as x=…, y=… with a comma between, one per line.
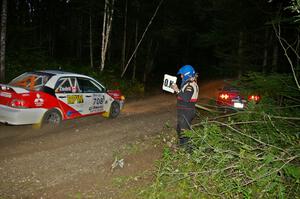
x=235, y=104
x=17, y=116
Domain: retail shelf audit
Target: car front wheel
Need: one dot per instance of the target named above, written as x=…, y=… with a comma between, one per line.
x=114, y=110
x=52, y=118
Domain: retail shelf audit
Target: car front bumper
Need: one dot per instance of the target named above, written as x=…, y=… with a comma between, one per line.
x=122, y=103
x=17, y=116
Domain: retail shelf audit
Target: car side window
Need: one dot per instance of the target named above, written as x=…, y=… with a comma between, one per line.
x=63, y=85
x=67, y=85
x=75, y=86
x=87, y=86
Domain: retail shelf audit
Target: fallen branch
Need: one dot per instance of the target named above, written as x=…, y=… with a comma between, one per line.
x=206, y=109
x=253, y=138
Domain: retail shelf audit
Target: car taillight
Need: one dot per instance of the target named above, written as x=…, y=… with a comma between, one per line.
x=19, y=103
x=224, y=96
x=255, y=98
x=116, y=94
x=5, y=88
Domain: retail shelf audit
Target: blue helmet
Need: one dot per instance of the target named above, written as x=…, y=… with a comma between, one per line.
x=187, y=71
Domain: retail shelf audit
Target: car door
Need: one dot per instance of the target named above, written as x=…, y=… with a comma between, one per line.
x=94, y=96
x=70, y=97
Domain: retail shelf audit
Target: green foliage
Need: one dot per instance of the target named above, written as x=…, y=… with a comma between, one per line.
x=278, y=87
x=295, y=8
x=248, y=154
x=112, y=81
x=24, y=61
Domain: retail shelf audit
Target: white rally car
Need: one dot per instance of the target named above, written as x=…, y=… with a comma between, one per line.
x=48, y=97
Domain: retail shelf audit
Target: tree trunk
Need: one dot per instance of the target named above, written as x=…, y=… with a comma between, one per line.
x=91, y=43
x=79, y=39
x=265, y=58
x=124, y=36
x=107, y=21
x=51, y=39
x=297, y=50
x=149, y=61
x=3, y=40
x=152, y=51
x=240, y=55
x=135, y=43
x=103, y=36
x=275, y=57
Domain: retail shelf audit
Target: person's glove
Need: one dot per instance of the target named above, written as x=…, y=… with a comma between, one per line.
x=175, y=88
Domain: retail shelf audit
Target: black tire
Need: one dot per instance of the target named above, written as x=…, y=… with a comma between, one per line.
x=114, y=110
x=52, y=118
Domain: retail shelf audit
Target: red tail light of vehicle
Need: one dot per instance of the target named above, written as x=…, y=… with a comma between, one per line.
x=116, y=94
x=4, y=88
x=19, y=103
x=224, y=96
x=254, y=98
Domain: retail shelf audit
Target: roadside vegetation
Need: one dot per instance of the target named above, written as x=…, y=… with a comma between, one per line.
x=244, y=154
x=111, y=79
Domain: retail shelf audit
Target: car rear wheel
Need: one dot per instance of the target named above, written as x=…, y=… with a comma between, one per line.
x=114, y=110
x=52, y=118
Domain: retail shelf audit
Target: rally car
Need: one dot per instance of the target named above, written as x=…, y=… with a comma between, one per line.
x=48, y=97
x=230, y=98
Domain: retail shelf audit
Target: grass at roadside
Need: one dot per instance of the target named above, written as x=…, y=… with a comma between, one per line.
x=247, y=154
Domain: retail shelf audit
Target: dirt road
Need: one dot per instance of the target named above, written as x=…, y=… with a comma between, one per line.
x=75, y=160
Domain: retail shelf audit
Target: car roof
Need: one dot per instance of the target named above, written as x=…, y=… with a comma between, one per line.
x=57, y=72
x=60, y=73
x=230, y=88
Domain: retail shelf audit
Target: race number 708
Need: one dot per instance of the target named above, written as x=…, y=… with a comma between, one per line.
x=99, y=100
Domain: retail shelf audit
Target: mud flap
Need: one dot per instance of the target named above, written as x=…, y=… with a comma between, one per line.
x=37, y=125
x=105, y=114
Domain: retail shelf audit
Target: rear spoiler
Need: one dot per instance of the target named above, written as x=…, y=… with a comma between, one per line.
x=18, y=90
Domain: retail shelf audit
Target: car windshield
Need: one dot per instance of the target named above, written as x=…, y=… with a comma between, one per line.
x=31, y=81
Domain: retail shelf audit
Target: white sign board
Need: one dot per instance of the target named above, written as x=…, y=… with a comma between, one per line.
x=168, y=81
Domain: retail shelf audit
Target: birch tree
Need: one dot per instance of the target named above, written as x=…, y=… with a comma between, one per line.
x=107, y=22
x=3, y=39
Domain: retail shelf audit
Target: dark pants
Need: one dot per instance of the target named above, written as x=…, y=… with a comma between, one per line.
x=184, y=120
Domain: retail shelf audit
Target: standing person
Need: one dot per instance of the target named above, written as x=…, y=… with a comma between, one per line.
x=187, y=97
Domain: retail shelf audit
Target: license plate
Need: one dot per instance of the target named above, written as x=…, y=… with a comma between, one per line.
x=238, y=105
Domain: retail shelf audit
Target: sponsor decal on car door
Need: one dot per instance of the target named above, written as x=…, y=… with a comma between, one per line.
x=70, y=97
x=97, y=103
x=94, y=96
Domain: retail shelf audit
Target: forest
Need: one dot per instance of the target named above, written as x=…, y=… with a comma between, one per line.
x=141, y=40
x=243, y=154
